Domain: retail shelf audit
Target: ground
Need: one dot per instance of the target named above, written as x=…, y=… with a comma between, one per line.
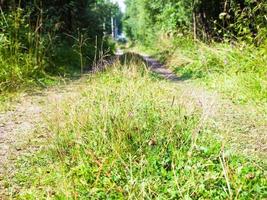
x=244, y=130
x=242, y=126
x=19, y=123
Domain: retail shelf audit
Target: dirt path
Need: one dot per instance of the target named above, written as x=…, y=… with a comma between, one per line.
x=160, y=69
x=17, y=122
x=242, y=127
x=18, y=125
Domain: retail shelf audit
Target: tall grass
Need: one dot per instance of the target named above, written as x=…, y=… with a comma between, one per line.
x=31, y=52
x=129, y=136
x=22, y=50
x=236, y=70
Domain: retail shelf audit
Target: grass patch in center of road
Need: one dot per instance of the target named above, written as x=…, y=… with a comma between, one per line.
x=130, y=136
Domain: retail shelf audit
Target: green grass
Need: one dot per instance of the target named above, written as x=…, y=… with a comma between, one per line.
x=128, y=135
x=20, y=72
x=7, y=101
x=237, y=71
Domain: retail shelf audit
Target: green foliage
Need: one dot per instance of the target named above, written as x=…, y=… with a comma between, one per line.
x=238, y=64
x=16, y=38
x=144, y=19
x=131, y=141
x=36, y=35
x=238, y=71
x=243, y=20
x=208, y=20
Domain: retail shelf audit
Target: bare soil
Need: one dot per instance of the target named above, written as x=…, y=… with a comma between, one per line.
x=19, y=124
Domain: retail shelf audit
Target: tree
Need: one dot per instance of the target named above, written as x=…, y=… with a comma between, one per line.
x=208, y=20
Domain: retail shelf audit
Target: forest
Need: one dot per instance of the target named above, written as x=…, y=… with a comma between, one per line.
x=165, y=99
x=42, y=38
x=215, y=20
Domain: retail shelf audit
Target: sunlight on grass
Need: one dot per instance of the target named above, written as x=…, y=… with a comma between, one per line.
x=237, y=71
x=129, y=135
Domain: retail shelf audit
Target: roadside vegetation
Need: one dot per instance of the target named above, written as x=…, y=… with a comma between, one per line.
x=130, y=135
x=237, y=71
x=41, y=41
x=123, y=132
x=221, y=43
x=219, y=46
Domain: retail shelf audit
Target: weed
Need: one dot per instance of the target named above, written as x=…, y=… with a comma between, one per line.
x=238, y=71
x=127, y=135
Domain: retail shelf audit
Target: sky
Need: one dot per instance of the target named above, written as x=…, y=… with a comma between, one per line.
x=121, y=4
